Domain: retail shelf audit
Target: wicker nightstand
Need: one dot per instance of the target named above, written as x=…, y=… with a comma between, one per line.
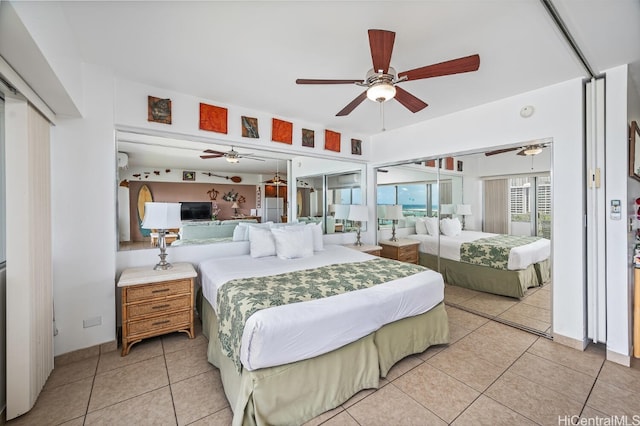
x=156, y=302
x=404, y=250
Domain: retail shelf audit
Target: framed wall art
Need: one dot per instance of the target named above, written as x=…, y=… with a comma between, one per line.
x=213, y=118
x=331, y=141
x=356, y=146
x=250, y=127
x=189, y=176
x=308, y=138
x=281, y=131
x=159, y=110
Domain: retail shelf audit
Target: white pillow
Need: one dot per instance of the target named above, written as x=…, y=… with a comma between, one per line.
x=293, y=242
x=241, y=231
x=316, y=233
x=261, y=242
x=450, y=227
x=421, y=226
x=431, y=223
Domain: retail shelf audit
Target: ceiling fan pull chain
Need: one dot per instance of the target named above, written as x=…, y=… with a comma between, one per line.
x=382, y=114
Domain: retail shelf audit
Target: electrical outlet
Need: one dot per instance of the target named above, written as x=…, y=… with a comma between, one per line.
x=92, y=322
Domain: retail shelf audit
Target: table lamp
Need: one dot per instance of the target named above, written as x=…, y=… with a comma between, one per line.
x=446, y=210
x=393, y=212
x=358, y=213
x=463, y=210
x=162, y=216
x=235, y=208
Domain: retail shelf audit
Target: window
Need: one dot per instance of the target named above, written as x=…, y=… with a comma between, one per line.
x=417, y=199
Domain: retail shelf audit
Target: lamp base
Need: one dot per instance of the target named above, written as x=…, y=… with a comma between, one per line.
x=393, y=231
x=162, y=243
x=358, y=242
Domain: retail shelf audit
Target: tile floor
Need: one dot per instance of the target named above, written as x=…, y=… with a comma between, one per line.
x=532, y=311
x=490, y=374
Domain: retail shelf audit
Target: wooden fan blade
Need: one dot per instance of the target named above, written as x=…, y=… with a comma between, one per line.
x=352, y=105
x=204, y=157
x=454, y=66
x=326, y=81
x=522, y=152
x=409, y=101
x=500, y=151
x=211, y=151
x=381, y=44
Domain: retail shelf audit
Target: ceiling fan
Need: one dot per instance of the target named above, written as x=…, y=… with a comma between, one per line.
x=527, y=150
x=232, y=156
x=381, y=80
x=276, y=180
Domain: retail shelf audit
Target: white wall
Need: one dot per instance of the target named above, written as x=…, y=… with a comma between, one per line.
x=558, y=115
x=84, y=217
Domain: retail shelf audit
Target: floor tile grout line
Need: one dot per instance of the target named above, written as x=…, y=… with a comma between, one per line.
x=166, y=367
x=592, y=387
x=93, y=382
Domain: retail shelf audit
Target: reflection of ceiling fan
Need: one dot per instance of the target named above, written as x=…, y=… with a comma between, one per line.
x=382, y=79
x=276, y=180
x=533, y=149
x=232, y=156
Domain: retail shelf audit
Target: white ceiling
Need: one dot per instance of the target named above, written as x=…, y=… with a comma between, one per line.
x=250, y=53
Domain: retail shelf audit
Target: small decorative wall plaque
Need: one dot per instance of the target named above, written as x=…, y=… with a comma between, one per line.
x=250, y=127
x=332, y=140
x=159, y=110
x=356, y=146
x=281, y=131
x=308, y=138
x=430, y=163
x=213, y=118
x=189, y=176
x=459, y=165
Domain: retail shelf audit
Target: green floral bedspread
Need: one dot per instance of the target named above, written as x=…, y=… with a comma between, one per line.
x=493, y=251
x=239, y=299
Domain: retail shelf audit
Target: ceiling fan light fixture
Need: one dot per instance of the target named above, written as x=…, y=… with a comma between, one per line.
x=533, y=150
x=381, y=92
x=233, y=159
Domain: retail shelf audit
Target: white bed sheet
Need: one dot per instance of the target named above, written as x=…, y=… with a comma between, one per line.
x=298, y=331
x=519, y=258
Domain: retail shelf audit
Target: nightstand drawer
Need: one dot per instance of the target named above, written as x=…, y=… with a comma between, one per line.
x=157, y=306
x=406, y=251
x=150, y=325
x=161, y=289
x=407, y=257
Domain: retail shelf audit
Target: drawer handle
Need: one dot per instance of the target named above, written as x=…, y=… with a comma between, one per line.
x=162, y=322
x=161, y=290
x=160, y=306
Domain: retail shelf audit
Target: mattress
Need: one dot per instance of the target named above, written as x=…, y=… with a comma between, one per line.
x=519, y=258
x=298, y=331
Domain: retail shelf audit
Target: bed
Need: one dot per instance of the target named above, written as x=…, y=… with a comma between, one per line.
x=298, y=360
x=526, y=266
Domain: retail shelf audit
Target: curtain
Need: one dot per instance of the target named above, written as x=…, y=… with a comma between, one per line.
x=496, y=206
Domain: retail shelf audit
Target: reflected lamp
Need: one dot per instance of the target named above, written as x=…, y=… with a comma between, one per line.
x=463, y=210
x=358, y=213
x=394, y=213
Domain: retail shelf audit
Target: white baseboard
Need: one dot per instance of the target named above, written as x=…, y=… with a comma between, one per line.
x=619, y=358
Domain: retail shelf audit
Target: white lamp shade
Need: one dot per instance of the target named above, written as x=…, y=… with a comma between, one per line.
x=394, y=212
x=235, y=205
x=342, y=211
x=463, y=209
x=358, y=213
x=161, y=216
x=446, y=209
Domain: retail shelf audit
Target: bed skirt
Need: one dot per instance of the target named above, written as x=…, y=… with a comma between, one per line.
x=485, y=279
x=290, y=394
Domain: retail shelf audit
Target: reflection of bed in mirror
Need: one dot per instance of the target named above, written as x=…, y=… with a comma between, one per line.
x=273, y=379
x=464, y=261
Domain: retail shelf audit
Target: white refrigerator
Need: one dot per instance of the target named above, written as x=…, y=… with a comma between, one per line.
x=273, y=209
